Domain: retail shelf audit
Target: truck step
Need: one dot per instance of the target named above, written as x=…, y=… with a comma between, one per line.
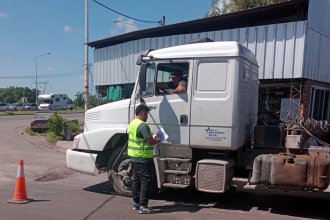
x=173, y=185
x=250, y=186
x=173, y=159
x=177, y=172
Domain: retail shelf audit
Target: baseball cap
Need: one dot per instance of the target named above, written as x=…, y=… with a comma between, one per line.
x=175, y=75
x=141, y=108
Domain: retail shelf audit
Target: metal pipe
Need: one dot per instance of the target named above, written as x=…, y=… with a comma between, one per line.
x=233, y=188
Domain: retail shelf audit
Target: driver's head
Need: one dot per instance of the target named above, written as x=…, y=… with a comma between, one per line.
x=176, y=77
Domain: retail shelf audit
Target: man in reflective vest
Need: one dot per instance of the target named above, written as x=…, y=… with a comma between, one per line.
x=140, y=149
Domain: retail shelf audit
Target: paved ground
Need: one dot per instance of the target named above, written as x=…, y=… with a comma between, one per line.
x=64, y=144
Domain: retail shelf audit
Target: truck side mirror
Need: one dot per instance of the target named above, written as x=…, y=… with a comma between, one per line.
x=142, y=77
x=139, y=60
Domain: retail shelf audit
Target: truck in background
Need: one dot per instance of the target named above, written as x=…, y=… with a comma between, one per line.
x=54, y=101
x=214, y=140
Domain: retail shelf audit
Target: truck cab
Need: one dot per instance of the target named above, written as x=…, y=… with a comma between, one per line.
x=217, y=112
x=210, y=126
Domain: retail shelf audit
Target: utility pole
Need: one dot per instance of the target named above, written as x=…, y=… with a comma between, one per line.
x=162, y=22
x=37, y=73
x=86, y=57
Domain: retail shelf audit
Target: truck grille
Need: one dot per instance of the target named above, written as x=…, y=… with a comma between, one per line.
x=213, y=175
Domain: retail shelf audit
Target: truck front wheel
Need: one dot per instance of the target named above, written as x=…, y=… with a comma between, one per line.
x=120, y=172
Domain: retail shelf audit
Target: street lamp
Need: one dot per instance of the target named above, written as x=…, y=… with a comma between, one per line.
x=37, y=73
x=119, y=21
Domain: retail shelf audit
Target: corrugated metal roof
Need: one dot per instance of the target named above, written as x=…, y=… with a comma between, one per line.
x=279, y=49
x=294, y=10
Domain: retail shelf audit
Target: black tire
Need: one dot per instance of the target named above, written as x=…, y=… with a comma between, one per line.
x=120, y=173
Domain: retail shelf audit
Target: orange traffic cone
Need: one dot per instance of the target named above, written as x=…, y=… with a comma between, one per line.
x=20, y=195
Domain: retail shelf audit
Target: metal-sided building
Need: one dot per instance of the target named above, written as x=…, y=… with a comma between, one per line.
x=291, y=41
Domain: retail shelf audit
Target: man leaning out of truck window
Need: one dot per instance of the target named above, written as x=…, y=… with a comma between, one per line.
x=178, y=84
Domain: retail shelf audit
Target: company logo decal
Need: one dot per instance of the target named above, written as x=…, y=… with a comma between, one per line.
x=214, y=134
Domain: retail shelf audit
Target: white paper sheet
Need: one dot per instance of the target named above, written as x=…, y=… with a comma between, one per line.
x=162, y=134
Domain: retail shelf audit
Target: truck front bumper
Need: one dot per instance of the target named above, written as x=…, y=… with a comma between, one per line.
x=81, y=161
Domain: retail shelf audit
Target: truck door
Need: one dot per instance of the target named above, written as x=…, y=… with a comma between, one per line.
x=211, y=115
x=168, y=111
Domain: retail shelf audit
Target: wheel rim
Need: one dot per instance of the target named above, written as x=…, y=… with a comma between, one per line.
x=126, y=172
x=122, y=181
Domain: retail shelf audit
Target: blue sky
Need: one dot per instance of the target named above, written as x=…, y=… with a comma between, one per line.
x=34, y=27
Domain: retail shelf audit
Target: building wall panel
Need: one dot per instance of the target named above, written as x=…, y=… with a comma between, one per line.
x=278, y=48
x=260, y=49
x=269, y=52
x=312, y=55
x=279, y=51
x=217, y=36
x=289, y=49
x=316, y=62
x=299, y=48
x=325, y=60
x=243, y=38
x=235, y=35
x=251, y=39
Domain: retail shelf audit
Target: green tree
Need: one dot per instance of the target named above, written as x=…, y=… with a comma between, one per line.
x=79, y=100
x=214, y=9
x=17, y=94
x=230, y=6
x=56, y=123
x=92, y=101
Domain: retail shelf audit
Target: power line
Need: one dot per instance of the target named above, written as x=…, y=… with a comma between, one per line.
x=56, y=75
x=117, y=12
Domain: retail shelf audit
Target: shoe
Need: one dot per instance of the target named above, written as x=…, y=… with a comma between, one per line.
x=136, y=206
x=145, y=210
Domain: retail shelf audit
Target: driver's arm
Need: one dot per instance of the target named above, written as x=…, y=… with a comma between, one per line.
x=180, y=89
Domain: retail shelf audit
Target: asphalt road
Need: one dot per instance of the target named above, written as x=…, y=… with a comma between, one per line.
x=59, y=193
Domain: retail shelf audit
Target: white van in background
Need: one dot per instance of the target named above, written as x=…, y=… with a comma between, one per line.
x=54, y=102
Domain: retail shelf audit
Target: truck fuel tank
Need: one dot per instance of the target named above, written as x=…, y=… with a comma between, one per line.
x=302, y=172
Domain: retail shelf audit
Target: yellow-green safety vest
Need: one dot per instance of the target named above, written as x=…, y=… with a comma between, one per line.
x=138, y=147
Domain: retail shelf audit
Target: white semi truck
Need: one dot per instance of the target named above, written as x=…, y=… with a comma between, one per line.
x=213, y=137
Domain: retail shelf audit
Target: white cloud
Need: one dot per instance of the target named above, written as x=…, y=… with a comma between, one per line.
x=67, y=29
x=3, y=15
x=123, y=26
x=50, y=69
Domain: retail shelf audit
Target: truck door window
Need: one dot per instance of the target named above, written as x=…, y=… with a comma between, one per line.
x=150, y=81
x=212, y=76
x=170, y=76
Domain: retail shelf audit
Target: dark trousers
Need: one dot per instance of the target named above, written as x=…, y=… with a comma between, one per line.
x=141, y=181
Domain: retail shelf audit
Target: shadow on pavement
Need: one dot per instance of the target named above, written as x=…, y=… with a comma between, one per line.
x=103, y=188
x=290, y=204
